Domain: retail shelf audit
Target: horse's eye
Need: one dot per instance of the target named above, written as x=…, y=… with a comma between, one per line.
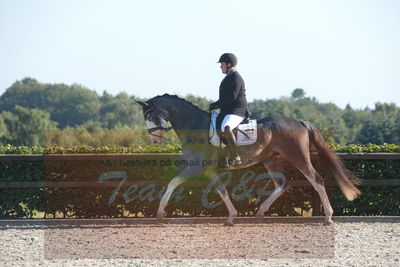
x=150, y=117
x=154, y=119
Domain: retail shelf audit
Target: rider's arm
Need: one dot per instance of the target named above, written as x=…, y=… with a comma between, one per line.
x=214, y=105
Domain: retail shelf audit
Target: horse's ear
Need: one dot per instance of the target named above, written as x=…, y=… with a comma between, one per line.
x=143, y=104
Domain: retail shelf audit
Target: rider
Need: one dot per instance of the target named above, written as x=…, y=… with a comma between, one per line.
x=232, y=102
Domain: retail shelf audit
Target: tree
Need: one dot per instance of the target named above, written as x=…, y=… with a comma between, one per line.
x=354, y=121
x=67, y=105
x=120, y=111
x=28, y=126
x=298, y=93
x=9, y=123
x=382, y=125
x=3, y=130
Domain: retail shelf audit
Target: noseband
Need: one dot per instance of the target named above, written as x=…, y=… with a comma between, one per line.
x=159, y=127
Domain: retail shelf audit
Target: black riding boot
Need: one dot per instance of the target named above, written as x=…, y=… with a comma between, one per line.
x=223, y=152
x=223, y=158
x=231, y=145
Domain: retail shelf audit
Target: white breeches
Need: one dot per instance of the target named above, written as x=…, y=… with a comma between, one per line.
x=232, y=121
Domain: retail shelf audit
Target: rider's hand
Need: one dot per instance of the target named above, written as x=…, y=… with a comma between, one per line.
x=213, y=106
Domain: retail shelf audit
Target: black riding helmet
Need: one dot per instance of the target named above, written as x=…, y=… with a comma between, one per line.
x=228, y=58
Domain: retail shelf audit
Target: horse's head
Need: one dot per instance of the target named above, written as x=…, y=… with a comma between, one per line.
x=157, y=122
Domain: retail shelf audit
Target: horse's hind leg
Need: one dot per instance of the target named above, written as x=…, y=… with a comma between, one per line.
x=174, y=183
x=318, y=183
x=275, y=169
x=301, y=160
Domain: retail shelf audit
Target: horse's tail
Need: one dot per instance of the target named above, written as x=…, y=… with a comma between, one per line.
x=343, y=176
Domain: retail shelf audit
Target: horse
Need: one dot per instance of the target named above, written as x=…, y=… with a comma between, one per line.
x=280, y=140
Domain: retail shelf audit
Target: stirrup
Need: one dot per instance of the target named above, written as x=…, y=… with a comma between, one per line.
x=237, y=160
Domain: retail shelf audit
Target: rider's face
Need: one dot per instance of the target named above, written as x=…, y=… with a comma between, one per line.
x=224, y=67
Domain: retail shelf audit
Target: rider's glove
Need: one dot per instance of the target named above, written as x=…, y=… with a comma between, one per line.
x=213, y=106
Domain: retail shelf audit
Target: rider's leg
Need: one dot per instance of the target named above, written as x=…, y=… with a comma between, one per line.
x=231, y=144
x=230, y=122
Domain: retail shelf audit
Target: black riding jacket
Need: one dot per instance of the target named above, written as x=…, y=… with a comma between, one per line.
x=232, y=95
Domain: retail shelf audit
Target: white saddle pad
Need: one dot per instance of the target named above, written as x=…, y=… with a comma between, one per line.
x=246, y=135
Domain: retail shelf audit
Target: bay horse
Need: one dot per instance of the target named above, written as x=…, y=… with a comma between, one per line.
x=279, y=140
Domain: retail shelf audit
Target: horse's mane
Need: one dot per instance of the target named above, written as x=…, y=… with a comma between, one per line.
x=178, y=98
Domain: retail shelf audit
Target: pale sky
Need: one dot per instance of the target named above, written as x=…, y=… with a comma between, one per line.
x=340, y=51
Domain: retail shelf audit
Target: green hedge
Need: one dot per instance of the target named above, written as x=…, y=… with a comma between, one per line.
x=9, y=149
x=96, y=202
x=373, y=200
x=370, y=148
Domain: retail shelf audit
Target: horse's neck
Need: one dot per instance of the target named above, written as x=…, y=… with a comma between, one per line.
x=188, y=122
x=186, y=117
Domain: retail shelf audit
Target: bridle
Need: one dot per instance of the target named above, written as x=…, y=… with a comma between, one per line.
x=159, y=127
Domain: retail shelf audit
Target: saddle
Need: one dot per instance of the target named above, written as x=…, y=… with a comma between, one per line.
x=245, y=133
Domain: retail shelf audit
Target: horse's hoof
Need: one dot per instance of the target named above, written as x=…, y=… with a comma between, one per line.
x=330, y=222
x=259, y=218
x=161, y=215
x=228, y=224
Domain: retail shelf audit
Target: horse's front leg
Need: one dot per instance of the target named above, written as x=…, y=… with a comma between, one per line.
x=221, y=189
x=174, y=183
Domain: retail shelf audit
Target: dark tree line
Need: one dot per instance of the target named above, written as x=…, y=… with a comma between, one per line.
x=29, y=109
